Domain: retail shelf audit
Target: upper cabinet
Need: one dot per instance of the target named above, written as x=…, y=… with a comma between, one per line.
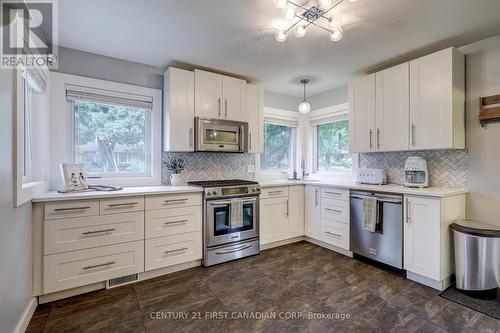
x=437, y=97
x=178, y=110
x=254, y=117
x=394, y=109
x=219, y=96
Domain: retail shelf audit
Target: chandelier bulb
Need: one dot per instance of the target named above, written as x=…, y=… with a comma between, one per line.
x=288, y=13
x=300, y=30
x=281, y=3
x=280, y=36
x=336, y=34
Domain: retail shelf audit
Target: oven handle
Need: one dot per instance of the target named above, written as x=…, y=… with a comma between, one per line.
x=228, y=202
x=244, y=247
x=397, y=202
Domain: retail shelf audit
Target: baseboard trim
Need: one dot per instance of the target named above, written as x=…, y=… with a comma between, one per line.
x=439, y=285
x=281, y=243
x=25, y=318
x=329, y=246
x=70, y=292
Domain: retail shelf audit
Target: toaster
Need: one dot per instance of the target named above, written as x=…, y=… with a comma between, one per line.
x=416, y=172
x=371, y=176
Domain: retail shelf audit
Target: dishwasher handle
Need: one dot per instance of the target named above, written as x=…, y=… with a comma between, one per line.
x=396, y=202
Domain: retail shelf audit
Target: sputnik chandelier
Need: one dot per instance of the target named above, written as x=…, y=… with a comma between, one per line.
x=300, y=17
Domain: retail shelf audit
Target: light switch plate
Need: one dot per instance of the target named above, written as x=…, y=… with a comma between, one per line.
x=251, y=168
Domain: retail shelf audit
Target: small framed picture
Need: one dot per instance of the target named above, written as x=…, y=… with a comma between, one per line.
x=74, y=176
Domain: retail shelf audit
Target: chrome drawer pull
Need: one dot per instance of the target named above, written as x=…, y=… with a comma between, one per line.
x=275, y=192
x=234, y=250
x=71, y=208
x=98, y=231
x=123, y=204
x=176, y=250
x=176, y=222
x=333, y=210
x=335, y=193
x=331, y=233
x=174, y=201
x=99, y=265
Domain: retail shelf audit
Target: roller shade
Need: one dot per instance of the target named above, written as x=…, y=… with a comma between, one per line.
x=87, y=94
x=284, y=122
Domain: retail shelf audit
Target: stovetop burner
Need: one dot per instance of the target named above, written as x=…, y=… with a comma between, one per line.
x=221, y=183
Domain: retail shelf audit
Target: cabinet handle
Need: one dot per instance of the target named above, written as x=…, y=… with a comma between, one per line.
x=97, y=231
x=371, y=134
x=176, y=250
x=123, y=204
x=316, y=192
x=250, y=140
x=71, y=208
x=225, y=104
x=408, y=219
x=174, y=201
x=176, y=222
x=335, y=193
x=190, y=137
x=219, y=106
x=275, y=192
x=378, y=138
x=287, y=208
x=332, y=234
x=333, y=210
x=99, y=265
x=413, y=136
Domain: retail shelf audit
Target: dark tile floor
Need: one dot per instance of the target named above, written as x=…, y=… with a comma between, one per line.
x=293, y=283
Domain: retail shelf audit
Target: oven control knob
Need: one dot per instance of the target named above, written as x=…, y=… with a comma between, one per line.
x=214, y=192
x=208, y=193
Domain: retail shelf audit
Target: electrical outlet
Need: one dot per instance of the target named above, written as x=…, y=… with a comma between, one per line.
x=251, y=168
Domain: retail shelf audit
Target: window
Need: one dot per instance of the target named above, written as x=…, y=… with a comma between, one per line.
x=111, y=140
x=279, y=147
x=332, y=146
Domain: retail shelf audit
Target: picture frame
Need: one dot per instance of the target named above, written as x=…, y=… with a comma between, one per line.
x=74, y=177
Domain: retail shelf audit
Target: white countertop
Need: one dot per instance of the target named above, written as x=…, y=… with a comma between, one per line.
x=126, y=192
x=389, y=188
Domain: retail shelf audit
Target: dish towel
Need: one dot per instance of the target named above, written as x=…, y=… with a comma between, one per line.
x=236, y=214
x=370, y=213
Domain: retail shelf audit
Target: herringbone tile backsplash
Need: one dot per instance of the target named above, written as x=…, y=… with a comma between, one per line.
x=447, y=168
x=211, y=166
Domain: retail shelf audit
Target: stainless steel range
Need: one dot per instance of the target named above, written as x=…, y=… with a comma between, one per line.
x=230, y=219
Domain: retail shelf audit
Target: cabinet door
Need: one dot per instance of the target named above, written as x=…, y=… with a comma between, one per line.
x=178, y=111
x=362, y=114
x=254, y=114
x=207, y=94
x=432, y=101
x=392, y=110
x=422, y=236
x=312, y=212
x=296, y=202
x=273, y=219
x=234, y=93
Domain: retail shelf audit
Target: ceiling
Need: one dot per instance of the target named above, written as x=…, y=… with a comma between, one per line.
x=237, y=36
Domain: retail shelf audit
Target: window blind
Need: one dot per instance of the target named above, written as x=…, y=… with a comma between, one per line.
x=281, y=121
x=87, y=94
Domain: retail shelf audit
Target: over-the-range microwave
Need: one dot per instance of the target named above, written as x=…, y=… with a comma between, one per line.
x=219, y=135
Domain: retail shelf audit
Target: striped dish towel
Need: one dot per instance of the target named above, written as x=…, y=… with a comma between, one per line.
x=370, y=213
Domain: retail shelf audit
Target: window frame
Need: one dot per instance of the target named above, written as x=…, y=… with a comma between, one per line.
x=292, y=153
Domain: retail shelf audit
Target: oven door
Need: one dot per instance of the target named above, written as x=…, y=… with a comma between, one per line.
x=223, y=226
x=220, y=135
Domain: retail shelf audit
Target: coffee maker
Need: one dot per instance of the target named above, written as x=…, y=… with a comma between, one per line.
x=416, y=172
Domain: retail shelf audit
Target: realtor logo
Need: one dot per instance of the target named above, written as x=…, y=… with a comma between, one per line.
x=29, y=33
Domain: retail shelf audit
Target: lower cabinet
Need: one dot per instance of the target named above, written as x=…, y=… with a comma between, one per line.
x=172, y=250
x=312, y=212
x=296, y=211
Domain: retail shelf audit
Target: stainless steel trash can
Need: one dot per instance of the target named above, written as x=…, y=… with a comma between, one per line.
x=477, y=257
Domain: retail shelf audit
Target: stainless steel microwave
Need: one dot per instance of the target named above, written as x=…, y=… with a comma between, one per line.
x=218, y=135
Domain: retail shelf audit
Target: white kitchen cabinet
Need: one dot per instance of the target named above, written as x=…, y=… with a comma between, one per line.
x=427, y=238
x=254, y=117
x=274, y=219
x=312, y=212
x=362, y=114
x=178, y=110
x=437, y=97
x=392, y=109
x=296, y=210
x=219, y=96
x=207, y=94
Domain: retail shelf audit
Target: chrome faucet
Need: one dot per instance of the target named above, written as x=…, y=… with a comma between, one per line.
x=303, y=168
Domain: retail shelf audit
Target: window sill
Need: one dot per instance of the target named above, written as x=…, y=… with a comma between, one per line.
x=28, y=191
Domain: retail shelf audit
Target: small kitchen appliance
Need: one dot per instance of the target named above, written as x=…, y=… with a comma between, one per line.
x=371, y=176
x=220, y=135
x=416, y=172
x=230, y=219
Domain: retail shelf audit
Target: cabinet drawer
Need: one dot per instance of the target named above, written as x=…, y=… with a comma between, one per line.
x=86, y=232
x=121, y=205
x=335, y=193
x=74, y=208
x=335, y=210
x=271, y=192
x=78, y=268
x=335, y=233
x=173, y=201
x=173, y=221
x=172, y=250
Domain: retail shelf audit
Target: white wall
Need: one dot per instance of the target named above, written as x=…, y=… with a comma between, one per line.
x=482, y=79
x=328, y=98
x=15, y=223
x=281, y=101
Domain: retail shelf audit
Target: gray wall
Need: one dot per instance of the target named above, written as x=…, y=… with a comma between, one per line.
x=15, y=223
x=328, y=98
x=483, y=181
x=281, y=101
x=106, y=68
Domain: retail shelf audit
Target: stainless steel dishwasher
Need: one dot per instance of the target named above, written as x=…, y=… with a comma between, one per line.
x=385, y=245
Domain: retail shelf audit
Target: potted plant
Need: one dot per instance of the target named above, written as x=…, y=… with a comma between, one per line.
x=175, y=165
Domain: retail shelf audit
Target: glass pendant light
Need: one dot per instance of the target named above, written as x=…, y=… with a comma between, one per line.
x=304, y=106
